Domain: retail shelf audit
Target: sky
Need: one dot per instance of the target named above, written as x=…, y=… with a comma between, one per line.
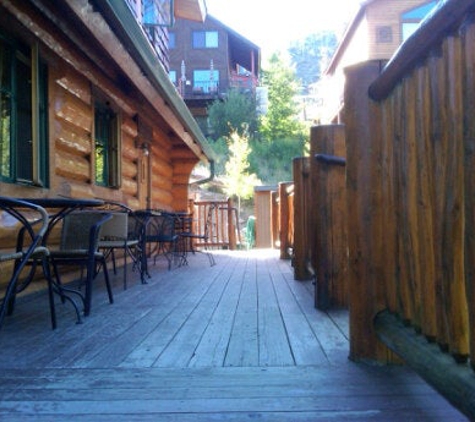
x=273, y=24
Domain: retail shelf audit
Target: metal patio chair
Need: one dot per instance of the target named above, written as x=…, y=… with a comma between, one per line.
x=79, y=246
x=120, y=233
x=161, y=234
x=30, y=222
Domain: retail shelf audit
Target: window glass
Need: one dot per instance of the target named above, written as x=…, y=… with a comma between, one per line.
x=205, y=80
x=205, y=39
x=211, y=39
x=106, y=146
x=412, y=18
x=23, y=151
x=172, y=75
x=420, y=12
x=171, y=40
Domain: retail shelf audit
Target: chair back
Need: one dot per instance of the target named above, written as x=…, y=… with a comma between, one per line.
x=166, y=227
x=81, y=230
x=116, y=228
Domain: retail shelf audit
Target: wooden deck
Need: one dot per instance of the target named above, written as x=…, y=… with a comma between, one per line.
x=239, y=341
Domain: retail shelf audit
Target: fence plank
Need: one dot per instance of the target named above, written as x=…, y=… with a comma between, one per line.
x=469, y=177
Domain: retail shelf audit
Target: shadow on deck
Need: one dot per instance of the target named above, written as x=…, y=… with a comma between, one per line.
x=238, y=341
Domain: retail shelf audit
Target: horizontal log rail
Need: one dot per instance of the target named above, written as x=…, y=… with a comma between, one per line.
x=453, y=380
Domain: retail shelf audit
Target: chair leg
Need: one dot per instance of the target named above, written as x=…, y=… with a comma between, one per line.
x=125, y=269
x=49, y=280
x=107, y=281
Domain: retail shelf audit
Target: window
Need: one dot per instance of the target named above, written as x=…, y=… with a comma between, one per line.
x=205, y=39
x=205, y=80
x=172, y=76
x=23, y=114
x=411, y=18
x=157, y=12
x=171, y=40
x=106, y=151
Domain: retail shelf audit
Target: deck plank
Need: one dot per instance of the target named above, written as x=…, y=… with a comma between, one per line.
x=239, y=341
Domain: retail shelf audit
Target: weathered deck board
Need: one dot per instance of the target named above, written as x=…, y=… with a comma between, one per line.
x=234, y=342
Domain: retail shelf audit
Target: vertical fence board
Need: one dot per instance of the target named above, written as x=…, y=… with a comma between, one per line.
x=390, y=269
x=452, y=240
x=425, y=203
x=469, y=177
x=438, y=121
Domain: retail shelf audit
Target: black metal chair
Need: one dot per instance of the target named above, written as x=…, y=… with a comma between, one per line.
x=79, y=246
x=119, y=233
x=30, y=223
x=190, y=237
x=161, y=239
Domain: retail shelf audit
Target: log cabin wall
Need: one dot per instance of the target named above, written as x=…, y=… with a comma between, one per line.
x=87, y=60
x=410, y=182
x=156, y=153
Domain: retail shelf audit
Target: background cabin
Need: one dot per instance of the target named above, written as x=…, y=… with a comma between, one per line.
x=207, y=59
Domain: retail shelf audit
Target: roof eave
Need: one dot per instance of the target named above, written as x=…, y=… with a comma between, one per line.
x=128, y=30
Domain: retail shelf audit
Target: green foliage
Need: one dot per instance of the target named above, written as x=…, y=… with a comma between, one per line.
x=312, y=55
x=272, y=162
x=281, y=119
x=267, y=150
x=236, y=113
x=238, y=181
x=221, y=152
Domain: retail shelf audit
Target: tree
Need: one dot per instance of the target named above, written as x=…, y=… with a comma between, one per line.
x=236, y=113
x=238, y=181
x=312, y=55
x=281, y=120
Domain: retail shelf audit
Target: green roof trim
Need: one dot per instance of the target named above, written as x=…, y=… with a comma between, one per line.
x=126, y=27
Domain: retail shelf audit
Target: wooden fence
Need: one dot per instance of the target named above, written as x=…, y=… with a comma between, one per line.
x=286, y=219
x=320, y=244
x=328, y=216
x=410, y=171
x=224, y=231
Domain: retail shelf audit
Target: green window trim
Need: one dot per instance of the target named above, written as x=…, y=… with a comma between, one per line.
x=106, y=147
x=23, y=114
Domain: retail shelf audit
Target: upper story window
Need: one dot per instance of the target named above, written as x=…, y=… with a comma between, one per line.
x=171, y=40
x=205, y=39
x=412, y=18
x=23, y=114
x=172, y=76
x=106, y=146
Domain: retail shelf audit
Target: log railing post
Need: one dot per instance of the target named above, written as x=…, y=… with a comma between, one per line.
x=284, y=220
x=329, y=246
x=364, y=211
x=302, y=263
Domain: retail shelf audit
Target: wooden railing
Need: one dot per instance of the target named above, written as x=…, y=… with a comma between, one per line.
x=410, y=181
x=286, y=220
x=224, y=231
x=320, y=239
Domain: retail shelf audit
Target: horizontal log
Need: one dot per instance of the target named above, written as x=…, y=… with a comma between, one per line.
x=456, y=382
x=444, y=19
x=330, y=159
